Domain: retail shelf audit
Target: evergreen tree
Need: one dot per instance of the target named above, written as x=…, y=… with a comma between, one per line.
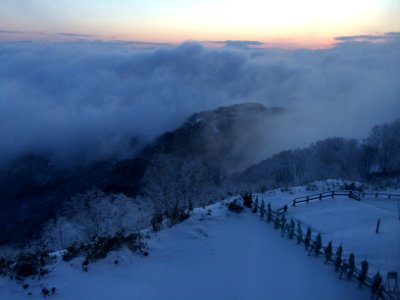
x=307, y=239
x=269, y=213
x=364, y=271
x=255, y=209
x=276, y=222
x=283, y=223
x=352, y=266
x=247, y=200
x=318, y=244
x=291, y=229
x=262, y=210
x=299, y=233
x=376, y=283
x=328, y=252
x=338, y=259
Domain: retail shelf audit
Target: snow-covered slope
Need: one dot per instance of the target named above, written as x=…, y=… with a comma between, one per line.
x=215, y=254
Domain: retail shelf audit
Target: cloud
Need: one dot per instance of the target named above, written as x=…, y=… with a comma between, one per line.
x=69, y=34
x=3, y=31
x=236, y=43
x=87, y=100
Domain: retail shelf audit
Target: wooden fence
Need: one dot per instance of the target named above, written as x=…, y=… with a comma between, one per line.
x=331, y=194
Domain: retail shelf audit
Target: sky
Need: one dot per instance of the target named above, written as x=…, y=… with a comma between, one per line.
x=290, y=23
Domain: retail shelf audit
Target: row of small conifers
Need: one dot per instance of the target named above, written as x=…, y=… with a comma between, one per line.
x=346, y=267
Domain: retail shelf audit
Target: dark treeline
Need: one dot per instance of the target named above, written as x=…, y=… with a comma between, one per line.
x=378, y=156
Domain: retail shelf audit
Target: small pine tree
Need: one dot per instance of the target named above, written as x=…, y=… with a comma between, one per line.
x=262, y=210
x=269, y=213
x=376, y=283
x=291, y=229
x=307, y=239
x=255, y=209
x=352, y=266
x=283, y=223
x=338, y=259
x=247, y=200
x=299, y=233
x=276, y=222
x=318, y=244
x=364, y=271
x=328, y=252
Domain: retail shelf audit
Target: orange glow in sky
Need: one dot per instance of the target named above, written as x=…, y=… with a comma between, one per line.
x=307, y=23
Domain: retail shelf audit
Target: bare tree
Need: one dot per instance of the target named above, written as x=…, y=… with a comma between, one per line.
x=172, y=182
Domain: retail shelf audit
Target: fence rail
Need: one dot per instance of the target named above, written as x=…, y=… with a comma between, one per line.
x=355, y=195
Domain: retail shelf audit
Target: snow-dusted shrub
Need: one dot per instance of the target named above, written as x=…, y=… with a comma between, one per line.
x=178, y=215
x=156, y=221
x=235, y=207
x=25, y=264
x=92, y=214
x=100, y=246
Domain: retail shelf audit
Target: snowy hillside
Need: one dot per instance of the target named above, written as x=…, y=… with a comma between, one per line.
x=217, y=254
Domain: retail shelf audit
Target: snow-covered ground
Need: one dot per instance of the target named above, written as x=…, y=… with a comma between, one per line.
x=222, y=256
x=351, y=223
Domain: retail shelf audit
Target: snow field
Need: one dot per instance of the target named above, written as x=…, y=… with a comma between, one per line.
x=222, y=256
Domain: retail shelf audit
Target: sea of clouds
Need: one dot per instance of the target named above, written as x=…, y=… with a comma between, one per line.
x=88, y=100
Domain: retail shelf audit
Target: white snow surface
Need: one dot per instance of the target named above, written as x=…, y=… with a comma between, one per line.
x=351, y=223
x=222, y=256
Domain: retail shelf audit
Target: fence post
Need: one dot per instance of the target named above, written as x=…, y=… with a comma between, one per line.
x=378, y=225
x=333, y=194
x=294, y=202
x=320, y=196
x=307, y=199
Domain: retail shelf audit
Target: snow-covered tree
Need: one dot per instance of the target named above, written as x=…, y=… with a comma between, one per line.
x=338, y=258
x=269, y=213
x=318, y=244
x=376, y=283
x=299, y=233
x=385, y=141
x=363, y=273
x=172, y=182
x=352, y=265
x=328, y=252
x=283, y=224
x=94, y=214
x=291, y=229
x=307, y=239
x=276, y=222
x=255, y=208
x=262, y=210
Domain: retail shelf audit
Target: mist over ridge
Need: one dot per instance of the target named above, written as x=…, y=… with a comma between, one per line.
x=83, y=101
